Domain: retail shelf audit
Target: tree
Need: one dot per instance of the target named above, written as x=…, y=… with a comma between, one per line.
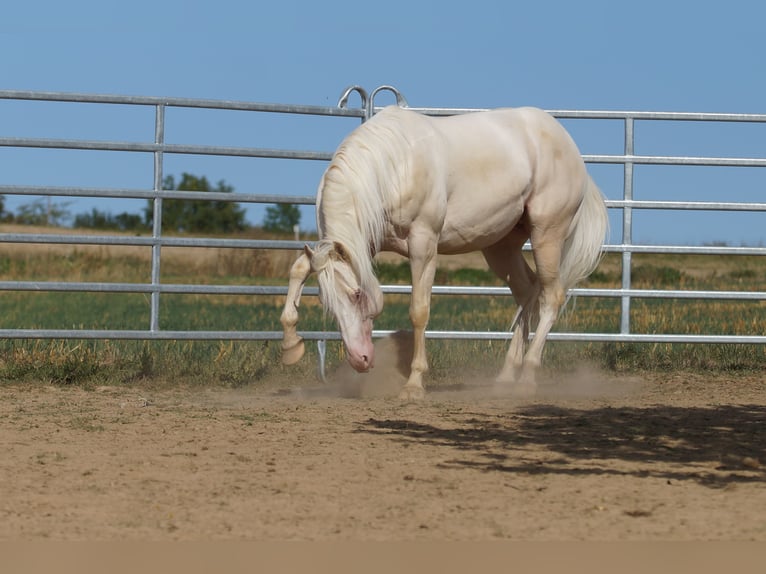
x=5, y=216
x=190, y=215
x=99, y=220
x=42, y=212
x=281, y=218
x=129, y=221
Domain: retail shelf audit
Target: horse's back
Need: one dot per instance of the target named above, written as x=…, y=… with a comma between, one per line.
x=471, y=177
x=517, y=131
x=528, y=124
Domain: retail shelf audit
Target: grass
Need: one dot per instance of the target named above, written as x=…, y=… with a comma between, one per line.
x=237, y=363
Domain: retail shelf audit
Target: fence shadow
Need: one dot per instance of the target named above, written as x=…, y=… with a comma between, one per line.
x=715, y=446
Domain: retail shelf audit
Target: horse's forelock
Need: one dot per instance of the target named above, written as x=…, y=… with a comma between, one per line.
x=331, y=262
x=332, y=295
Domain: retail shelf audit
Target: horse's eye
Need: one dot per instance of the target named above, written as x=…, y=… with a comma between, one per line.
x=356, y=296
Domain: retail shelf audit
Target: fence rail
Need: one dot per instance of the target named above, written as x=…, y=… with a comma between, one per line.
x=159, y=149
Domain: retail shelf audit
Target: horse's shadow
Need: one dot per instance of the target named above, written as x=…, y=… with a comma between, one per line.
x=715, y=446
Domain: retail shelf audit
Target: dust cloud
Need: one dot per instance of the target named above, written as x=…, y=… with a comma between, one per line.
x=393, y=355
x=584, y=381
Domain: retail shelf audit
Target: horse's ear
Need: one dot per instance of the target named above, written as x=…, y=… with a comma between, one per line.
x=341, y=252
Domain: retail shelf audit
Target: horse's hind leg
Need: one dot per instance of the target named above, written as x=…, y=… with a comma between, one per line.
x=526, y=291
x=546, y=245
x=507, y=262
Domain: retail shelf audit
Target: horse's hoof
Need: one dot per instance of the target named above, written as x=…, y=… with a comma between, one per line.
x=412, y=393
x=293, y=354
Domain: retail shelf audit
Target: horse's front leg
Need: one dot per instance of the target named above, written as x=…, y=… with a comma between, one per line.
x=292, y=344
x=423, y=267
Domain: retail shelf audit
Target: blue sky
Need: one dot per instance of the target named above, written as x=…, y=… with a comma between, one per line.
x=649, y=55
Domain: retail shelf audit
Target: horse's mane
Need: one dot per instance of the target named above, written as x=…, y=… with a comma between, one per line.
x=366, y=174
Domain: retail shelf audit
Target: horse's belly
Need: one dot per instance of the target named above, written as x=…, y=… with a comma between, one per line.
x=463, y=233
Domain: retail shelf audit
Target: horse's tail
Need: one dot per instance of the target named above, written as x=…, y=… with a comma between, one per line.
x=583, y=248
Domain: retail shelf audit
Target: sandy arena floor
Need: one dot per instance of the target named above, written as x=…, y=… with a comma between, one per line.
x=678, y=457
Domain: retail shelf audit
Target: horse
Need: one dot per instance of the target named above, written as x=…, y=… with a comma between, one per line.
x=419, y=186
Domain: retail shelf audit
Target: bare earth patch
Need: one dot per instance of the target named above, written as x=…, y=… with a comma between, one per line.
x=677, y=457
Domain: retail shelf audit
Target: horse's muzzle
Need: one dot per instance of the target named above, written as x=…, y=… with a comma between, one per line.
x=362, y=360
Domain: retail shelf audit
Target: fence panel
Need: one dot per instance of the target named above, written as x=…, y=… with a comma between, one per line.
x=160, y=150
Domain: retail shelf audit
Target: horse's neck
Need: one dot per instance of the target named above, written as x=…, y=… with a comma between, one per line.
x=351, y=215
x=357, y=190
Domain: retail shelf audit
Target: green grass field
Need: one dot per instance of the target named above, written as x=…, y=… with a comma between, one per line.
x=242, y=363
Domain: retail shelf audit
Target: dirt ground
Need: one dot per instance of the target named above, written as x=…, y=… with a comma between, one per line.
x=591, y=457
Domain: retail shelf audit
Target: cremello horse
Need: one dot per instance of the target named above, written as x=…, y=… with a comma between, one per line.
x=419, y=186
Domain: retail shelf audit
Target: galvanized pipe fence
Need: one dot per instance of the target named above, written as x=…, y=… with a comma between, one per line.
x=157, y=241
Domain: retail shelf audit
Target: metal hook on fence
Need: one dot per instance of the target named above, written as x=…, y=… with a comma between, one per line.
x=401, y=101
x=343, y=101
x=368, y=101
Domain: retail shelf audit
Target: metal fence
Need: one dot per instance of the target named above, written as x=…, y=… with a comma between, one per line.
x=160, y=149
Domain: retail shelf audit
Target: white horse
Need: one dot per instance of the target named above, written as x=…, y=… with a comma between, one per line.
x=418, y=186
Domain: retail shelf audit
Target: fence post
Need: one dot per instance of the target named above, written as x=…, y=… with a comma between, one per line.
x=159, y=139
x=627, y=226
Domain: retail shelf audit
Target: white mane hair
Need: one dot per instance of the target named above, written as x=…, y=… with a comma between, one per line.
x=368, y=170
x=325, y=260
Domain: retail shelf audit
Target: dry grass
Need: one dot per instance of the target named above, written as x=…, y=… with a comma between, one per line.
x=238, y=363
x=133, y=263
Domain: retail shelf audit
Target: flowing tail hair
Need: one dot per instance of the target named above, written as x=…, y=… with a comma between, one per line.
x=583, y=248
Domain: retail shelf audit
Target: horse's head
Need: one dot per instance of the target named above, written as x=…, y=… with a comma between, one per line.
x=344, y=296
